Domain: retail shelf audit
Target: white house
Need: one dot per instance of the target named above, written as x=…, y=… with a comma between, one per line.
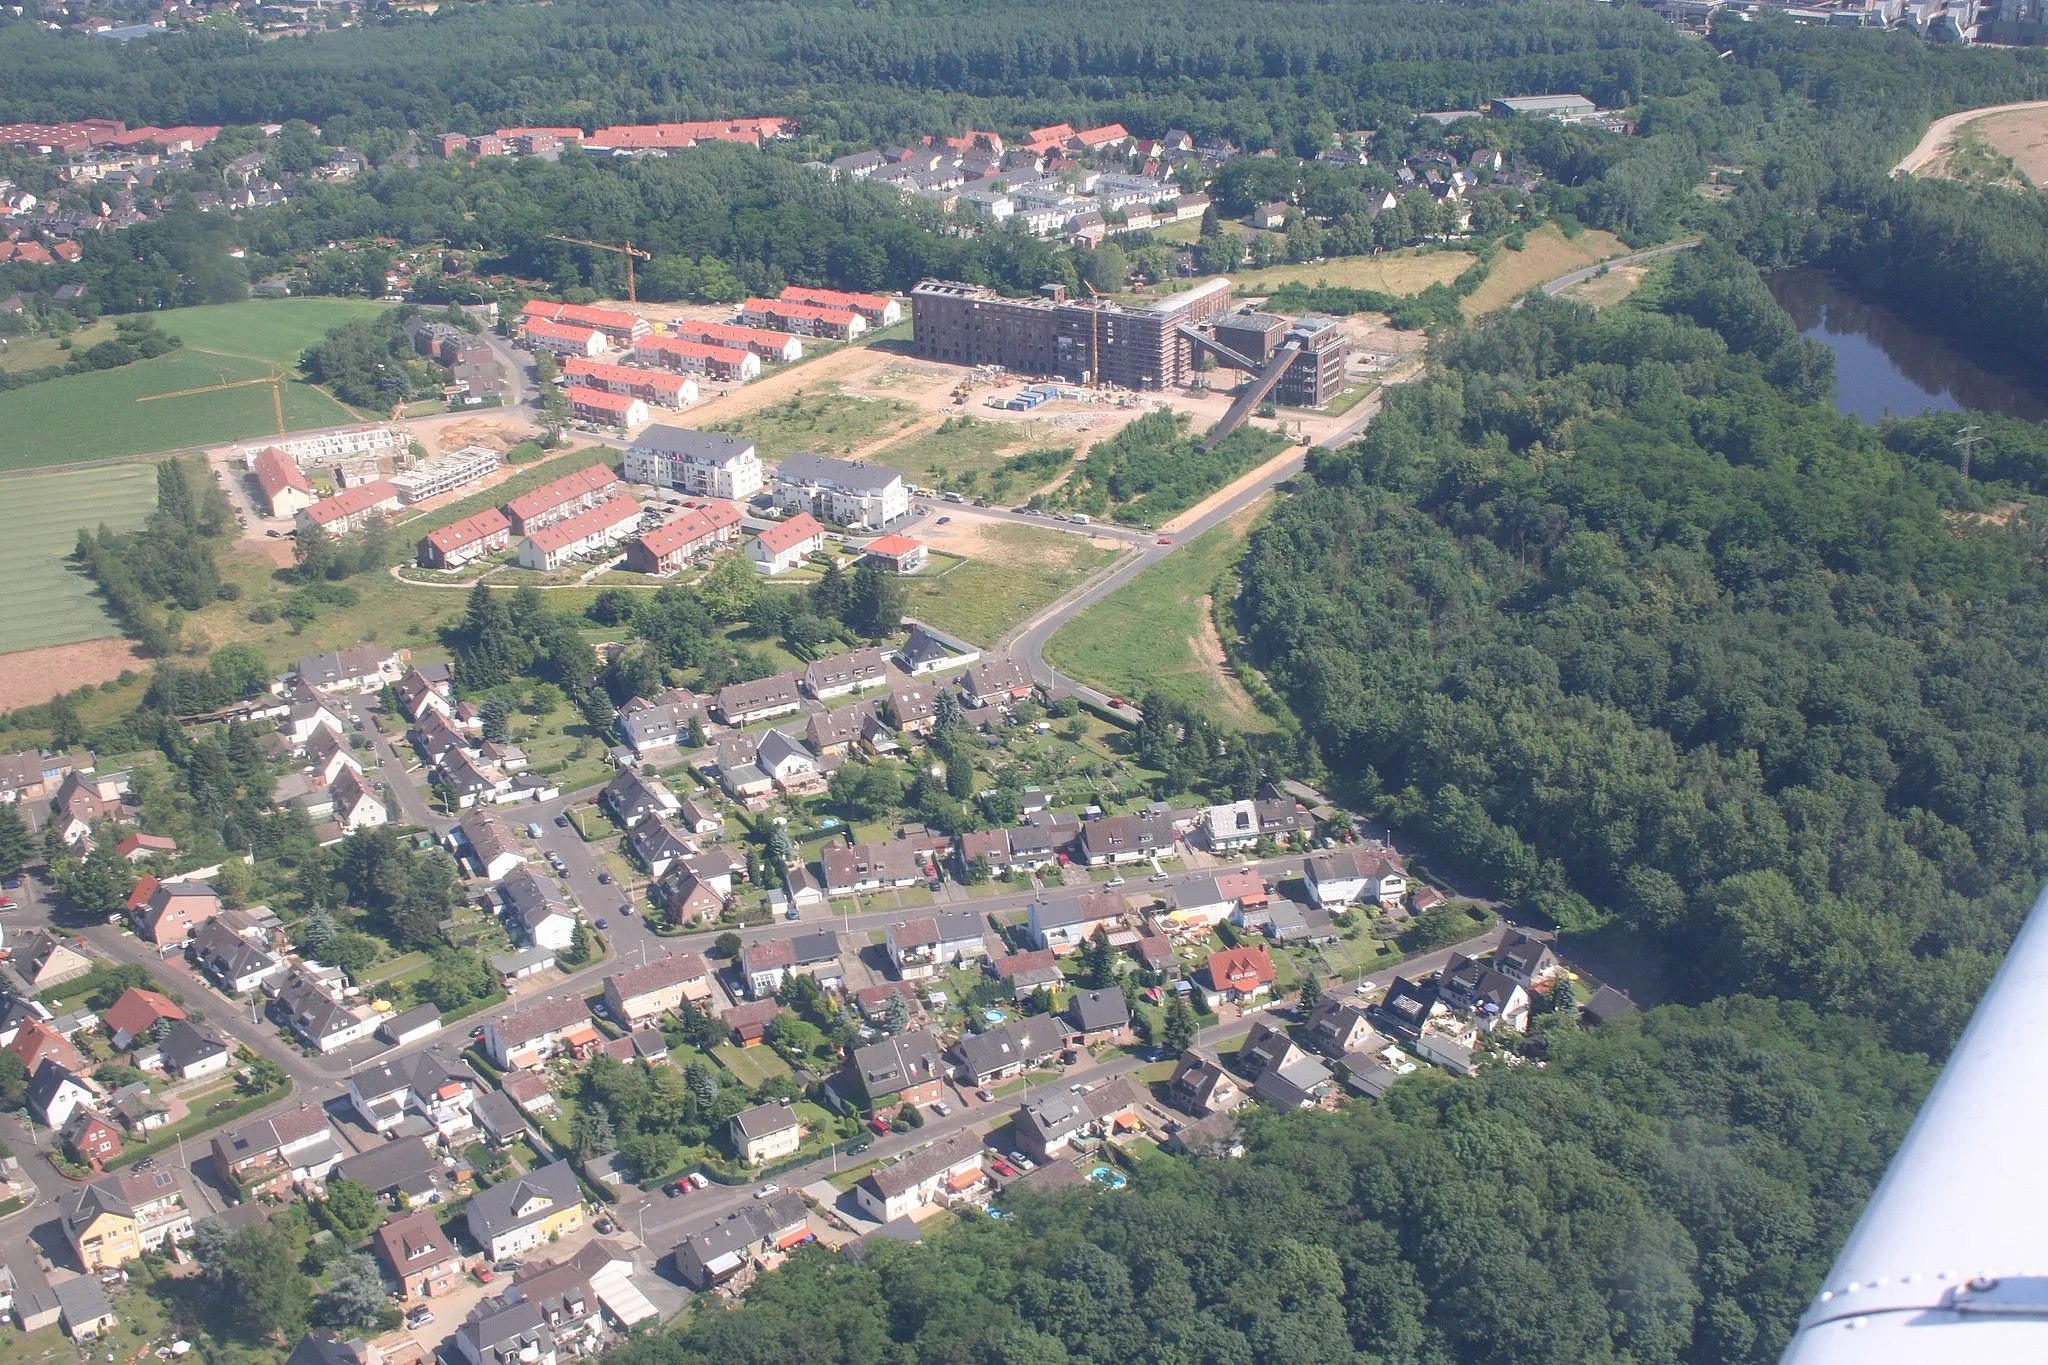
x=785, y=545
x=702, y=462
x=1343, y=876
x=857, y=495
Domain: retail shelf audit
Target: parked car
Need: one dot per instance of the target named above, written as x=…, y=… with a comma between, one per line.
x=1003, y=1167
x=1156, y=877
x=698, y=1180
x=767, y=1190
x=6, y=902
x=419, y=1317
x=943, y=520
x=985, y=1095
x=675, y=1188
x=1114, y=881
x=941, y=1108
x=561, y=822
x=879, y=1124
x=604, y=924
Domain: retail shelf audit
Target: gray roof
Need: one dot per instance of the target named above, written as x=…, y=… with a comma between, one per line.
x=82, y=1300
x=402, y=1164
x=498, y=1113
x=1018, y=1043
x=823, y=469
x=895, y=1064
x=918, y=1167
x=491, y=1210
x=698, y=447
x=185, y=1046
x=1093, y=1011
x=764, y=1119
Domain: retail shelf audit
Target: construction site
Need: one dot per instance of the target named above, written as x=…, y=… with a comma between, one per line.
x=1156, y=347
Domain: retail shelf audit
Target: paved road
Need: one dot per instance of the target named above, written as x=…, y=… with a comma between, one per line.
x=667, y=1221
x=1566, y=281
x=1027, y=642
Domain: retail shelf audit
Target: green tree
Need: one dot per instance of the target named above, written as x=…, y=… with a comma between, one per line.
x=496, y=716
x=1180, y=1026
x=271, y=1297
x=591, y=1133
x=729, y=588
x=17, y=845
x=355, y=1293
x=351, y=1209
x=727, y=945
x=1311, y=990
x=13, y=1080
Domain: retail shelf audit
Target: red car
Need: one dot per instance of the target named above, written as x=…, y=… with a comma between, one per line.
x=1003, y=1168
x=1117, y=702
x=6, y=902
x=1166, y=540
x=879, y=1125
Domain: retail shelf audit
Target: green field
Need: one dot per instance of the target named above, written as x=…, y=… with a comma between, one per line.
x=934, y=457
x=826, y=420
x=276, y=330
x=114, y=413
x=1152, y=633
x=1013, y=572
x=49, y=602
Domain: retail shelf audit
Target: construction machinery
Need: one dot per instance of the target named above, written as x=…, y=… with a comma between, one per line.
x=629, y=251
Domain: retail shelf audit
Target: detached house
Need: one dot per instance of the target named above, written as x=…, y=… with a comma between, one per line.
x=783, y=546
x=661, y=723
x=1126, y=839
x=55, y=1092
x=763, y=699
x=1235, y=975
x=422, y=1260
x=1009, y=1049
x=1345, y=876
x=888, y=1073
x=521, y=1213
x=996, y=682
x=270, y=1155
x=632, y=797
x=952, y=1165
x=174, y=910
x=1065, y=924
x=528, y=1037
x=235, y=952
x=114, y=1221
x=1523, y=958
x=765, y=1133
x=43, y=960
x=640, y=995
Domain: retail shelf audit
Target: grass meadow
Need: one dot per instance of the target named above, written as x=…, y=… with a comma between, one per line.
x=49, y=601
x=212, y=391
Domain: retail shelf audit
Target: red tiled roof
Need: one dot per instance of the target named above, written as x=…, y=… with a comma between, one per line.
x=350, y=501
x=469, y=530
x=1240, y=969
x=594, y=479
x=277, y=471
x=559, y=331
x=895, y=546
x=602, y=399
x=786, y=535
x=607, y=514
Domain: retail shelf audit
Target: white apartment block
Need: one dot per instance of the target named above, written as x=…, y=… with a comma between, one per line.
x=862, y=497
x=702, y=462
x=332, y=447
x=445, y=474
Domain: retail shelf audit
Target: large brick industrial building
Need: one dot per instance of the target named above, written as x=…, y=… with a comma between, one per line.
x=1133, y=348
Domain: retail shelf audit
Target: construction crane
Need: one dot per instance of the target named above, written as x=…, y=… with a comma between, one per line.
x=629, y=251
x=1094, y=326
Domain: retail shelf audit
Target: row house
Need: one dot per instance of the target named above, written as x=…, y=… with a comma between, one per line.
x=949, y=1167
x=709, y=464
x=347, y=511
x=604, y=407
x=879, y=309
x=852, y=868
x=844, y=674
x=587, y=533
x=783, y=348
x=385, y=1094
x=446, y=473
x=365, y=668
x=725, y=363
x=1000, y=682
x=1117, y=839
x=621, y=329
x=830, y=324
x=1339, y=877
x=116, y=1220
x=744, y=703
x=694, y=534
x=1009, y=1049
x=561, y=338
x=660, y=388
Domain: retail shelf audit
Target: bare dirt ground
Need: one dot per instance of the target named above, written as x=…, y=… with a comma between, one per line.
x=498, y=434
x=972, y=536
x=35, y=675
x=1941, y=135
x=1604, y=290
x=2021, y=135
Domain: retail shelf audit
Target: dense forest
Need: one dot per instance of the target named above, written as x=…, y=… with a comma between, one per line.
x=1619, y=610
x=1661, y=1192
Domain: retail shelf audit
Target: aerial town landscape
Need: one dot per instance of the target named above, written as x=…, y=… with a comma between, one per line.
x=886, y=685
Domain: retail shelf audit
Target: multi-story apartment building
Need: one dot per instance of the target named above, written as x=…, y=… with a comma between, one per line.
x=707, y=463
x=850, y=492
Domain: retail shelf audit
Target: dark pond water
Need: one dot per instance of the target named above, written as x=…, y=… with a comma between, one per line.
x=1885, y=366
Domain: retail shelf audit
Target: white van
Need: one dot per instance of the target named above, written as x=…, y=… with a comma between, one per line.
x=1079, y=518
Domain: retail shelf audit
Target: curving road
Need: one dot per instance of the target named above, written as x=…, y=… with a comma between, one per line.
x=1564, y=282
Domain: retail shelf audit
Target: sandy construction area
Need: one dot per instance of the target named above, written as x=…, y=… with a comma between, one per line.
x=2022, y=135
x=1935, y=142
x=997, y=540
x=35, y=675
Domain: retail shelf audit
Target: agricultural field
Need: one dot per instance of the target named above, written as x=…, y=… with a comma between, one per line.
x=216, y=389
x=1156, y=632
x=1400, y=272
x=32, y=352
x=49, y=602
x=276, y=330
x=1545, y=255
x=186, y=398
x=825, y=420
x=1009, y=574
